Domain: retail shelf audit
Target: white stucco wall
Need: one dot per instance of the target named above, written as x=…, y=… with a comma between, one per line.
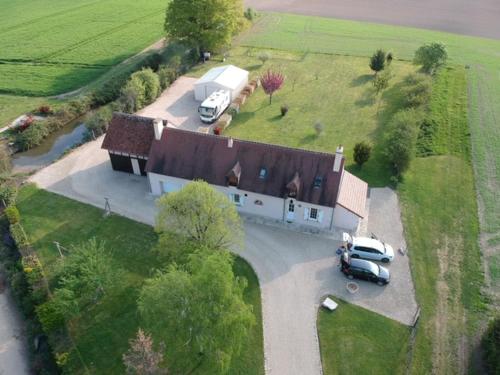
x=272, y=207
x=343, y=218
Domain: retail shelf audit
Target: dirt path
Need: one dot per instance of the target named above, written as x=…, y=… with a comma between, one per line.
x=478, y=18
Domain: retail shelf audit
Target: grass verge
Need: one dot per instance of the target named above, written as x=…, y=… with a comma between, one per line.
x=354, y=340
x=101, y=334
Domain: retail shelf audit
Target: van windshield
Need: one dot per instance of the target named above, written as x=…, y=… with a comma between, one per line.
x=206, y=111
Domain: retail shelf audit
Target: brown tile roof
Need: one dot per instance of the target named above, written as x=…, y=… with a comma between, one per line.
x=129, y=134
x=191, y=156
x=352, y=194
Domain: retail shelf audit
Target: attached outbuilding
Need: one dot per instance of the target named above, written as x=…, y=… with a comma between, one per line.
x=227, y=77
x=128, y=141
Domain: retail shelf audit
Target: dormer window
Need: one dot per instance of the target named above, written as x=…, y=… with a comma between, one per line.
x=233, y=176
x=318, y=181
x=263, y=173
x=293, y=187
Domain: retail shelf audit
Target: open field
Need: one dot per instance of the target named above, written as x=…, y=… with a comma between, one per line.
x=438, y=193
x=101, y=335
x=49, y=47
x=336, y=91
x=357, y=341
x=13, y=106
x=478, y=18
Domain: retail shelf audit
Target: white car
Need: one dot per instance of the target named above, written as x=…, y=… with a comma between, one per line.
x=369, y=248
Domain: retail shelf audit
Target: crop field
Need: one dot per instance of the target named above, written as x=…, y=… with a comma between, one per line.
x=53, y=46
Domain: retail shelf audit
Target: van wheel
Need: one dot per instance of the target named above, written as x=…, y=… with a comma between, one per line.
x=385, y=260
x=350, y=277
x=380, y=283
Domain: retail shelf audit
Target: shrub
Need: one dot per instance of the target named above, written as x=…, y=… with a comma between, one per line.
x=32, y=136
x=417, y=90
x=54, y=123
x=8, y=194
x=17, y=232
x=175, y=63
x=318, y=128
x=401, y=139
x=167, y=76
x=381, y=81
x=284, y=110
x=5, y=165
x=45, y=110
x=431, y=56
x=377, y=61
x=133, y=95
x=223, y=122
x=263, y=57
x=217, y=131
x=97, y=124
x=12, y=214
x=25, y=124
x=362, y=152
x=388, y=58
x=78, y=107
x=250, y=14
x=151, y=84
x=50, y=316
x=491, y=347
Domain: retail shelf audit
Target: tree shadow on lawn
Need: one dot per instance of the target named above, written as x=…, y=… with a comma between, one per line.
x=361, y=80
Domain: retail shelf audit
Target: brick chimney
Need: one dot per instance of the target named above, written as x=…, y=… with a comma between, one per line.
x=339, y=155
x=158, y=127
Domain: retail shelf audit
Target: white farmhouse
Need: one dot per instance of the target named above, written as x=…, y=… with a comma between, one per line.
x=273, y=182
x=229, y=78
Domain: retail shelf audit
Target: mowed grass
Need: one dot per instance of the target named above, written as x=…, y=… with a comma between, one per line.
x=438, y=192
x=13, y=106
x=480, y=55
x=53, y=46
x=354, y=340
x=336, y=91
x=101, y=334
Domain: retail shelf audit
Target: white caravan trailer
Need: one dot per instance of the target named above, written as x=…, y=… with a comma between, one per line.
x=214, y=106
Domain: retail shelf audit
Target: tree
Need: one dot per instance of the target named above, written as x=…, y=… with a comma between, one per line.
x=362, y=152
x=133, y=95
x=318, y=128
x=141, y=358
x=401, y=139
x=417, y=90
x=381, y=81
x=199, y=310
x=206, y=25
x=263, y=57
x=431, y=56
x=271, y=82
x=200, y=214
x=83, y=277
x=377, y=61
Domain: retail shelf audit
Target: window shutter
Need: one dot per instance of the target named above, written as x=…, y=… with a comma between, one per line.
x=320, y=215
x=306, y=213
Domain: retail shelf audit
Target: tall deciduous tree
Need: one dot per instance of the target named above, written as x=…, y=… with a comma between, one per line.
x=205, y=24
x=431, y=56
x=377, y=61
x=199, y=310
x=271, y=82
x=142, y=358
x=200, y=214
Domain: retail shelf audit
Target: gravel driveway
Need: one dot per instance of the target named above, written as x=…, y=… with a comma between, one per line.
x=479, y=18
x=295, y=269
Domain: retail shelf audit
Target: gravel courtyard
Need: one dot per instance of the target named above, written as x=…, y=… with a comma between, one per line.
x=295, y=269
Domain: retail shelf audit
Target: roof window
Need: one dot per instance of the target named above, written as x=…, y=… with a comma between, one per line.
x=263, y=173
x=318, y=181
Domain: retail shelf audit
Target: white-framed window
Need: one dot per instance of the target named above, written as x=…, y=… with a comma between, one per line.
x=236, y=198
x=313, y=214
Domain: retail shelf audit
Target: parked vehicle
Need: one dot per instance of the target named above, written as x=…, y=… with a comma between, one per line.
x=369, y=248
x=364, y=270
x=214, y=106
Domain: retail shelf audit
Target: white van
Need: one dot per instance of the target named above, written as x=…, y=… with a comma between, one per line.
x=368, y=248
x=214, y=106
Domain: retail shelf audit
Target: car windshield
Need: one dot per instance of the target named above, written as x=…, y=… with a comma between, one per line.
x=374, y=268
x=206, y=111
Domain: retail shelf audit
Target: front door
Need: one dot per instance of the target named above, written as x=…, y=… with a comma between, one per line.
x=290, y=215
x=135, y=166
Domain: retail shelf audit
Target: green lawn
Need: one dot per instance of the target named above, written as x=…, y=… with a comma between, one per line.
x=357, y=341
x=13, y=106
x=482, y=57
x=334, y=90
x=438, y=192
x=101, y=334
x=53, y=46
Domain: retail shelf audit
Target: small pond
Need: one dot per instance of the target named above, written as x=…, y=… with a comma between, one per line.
x=51, y=149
